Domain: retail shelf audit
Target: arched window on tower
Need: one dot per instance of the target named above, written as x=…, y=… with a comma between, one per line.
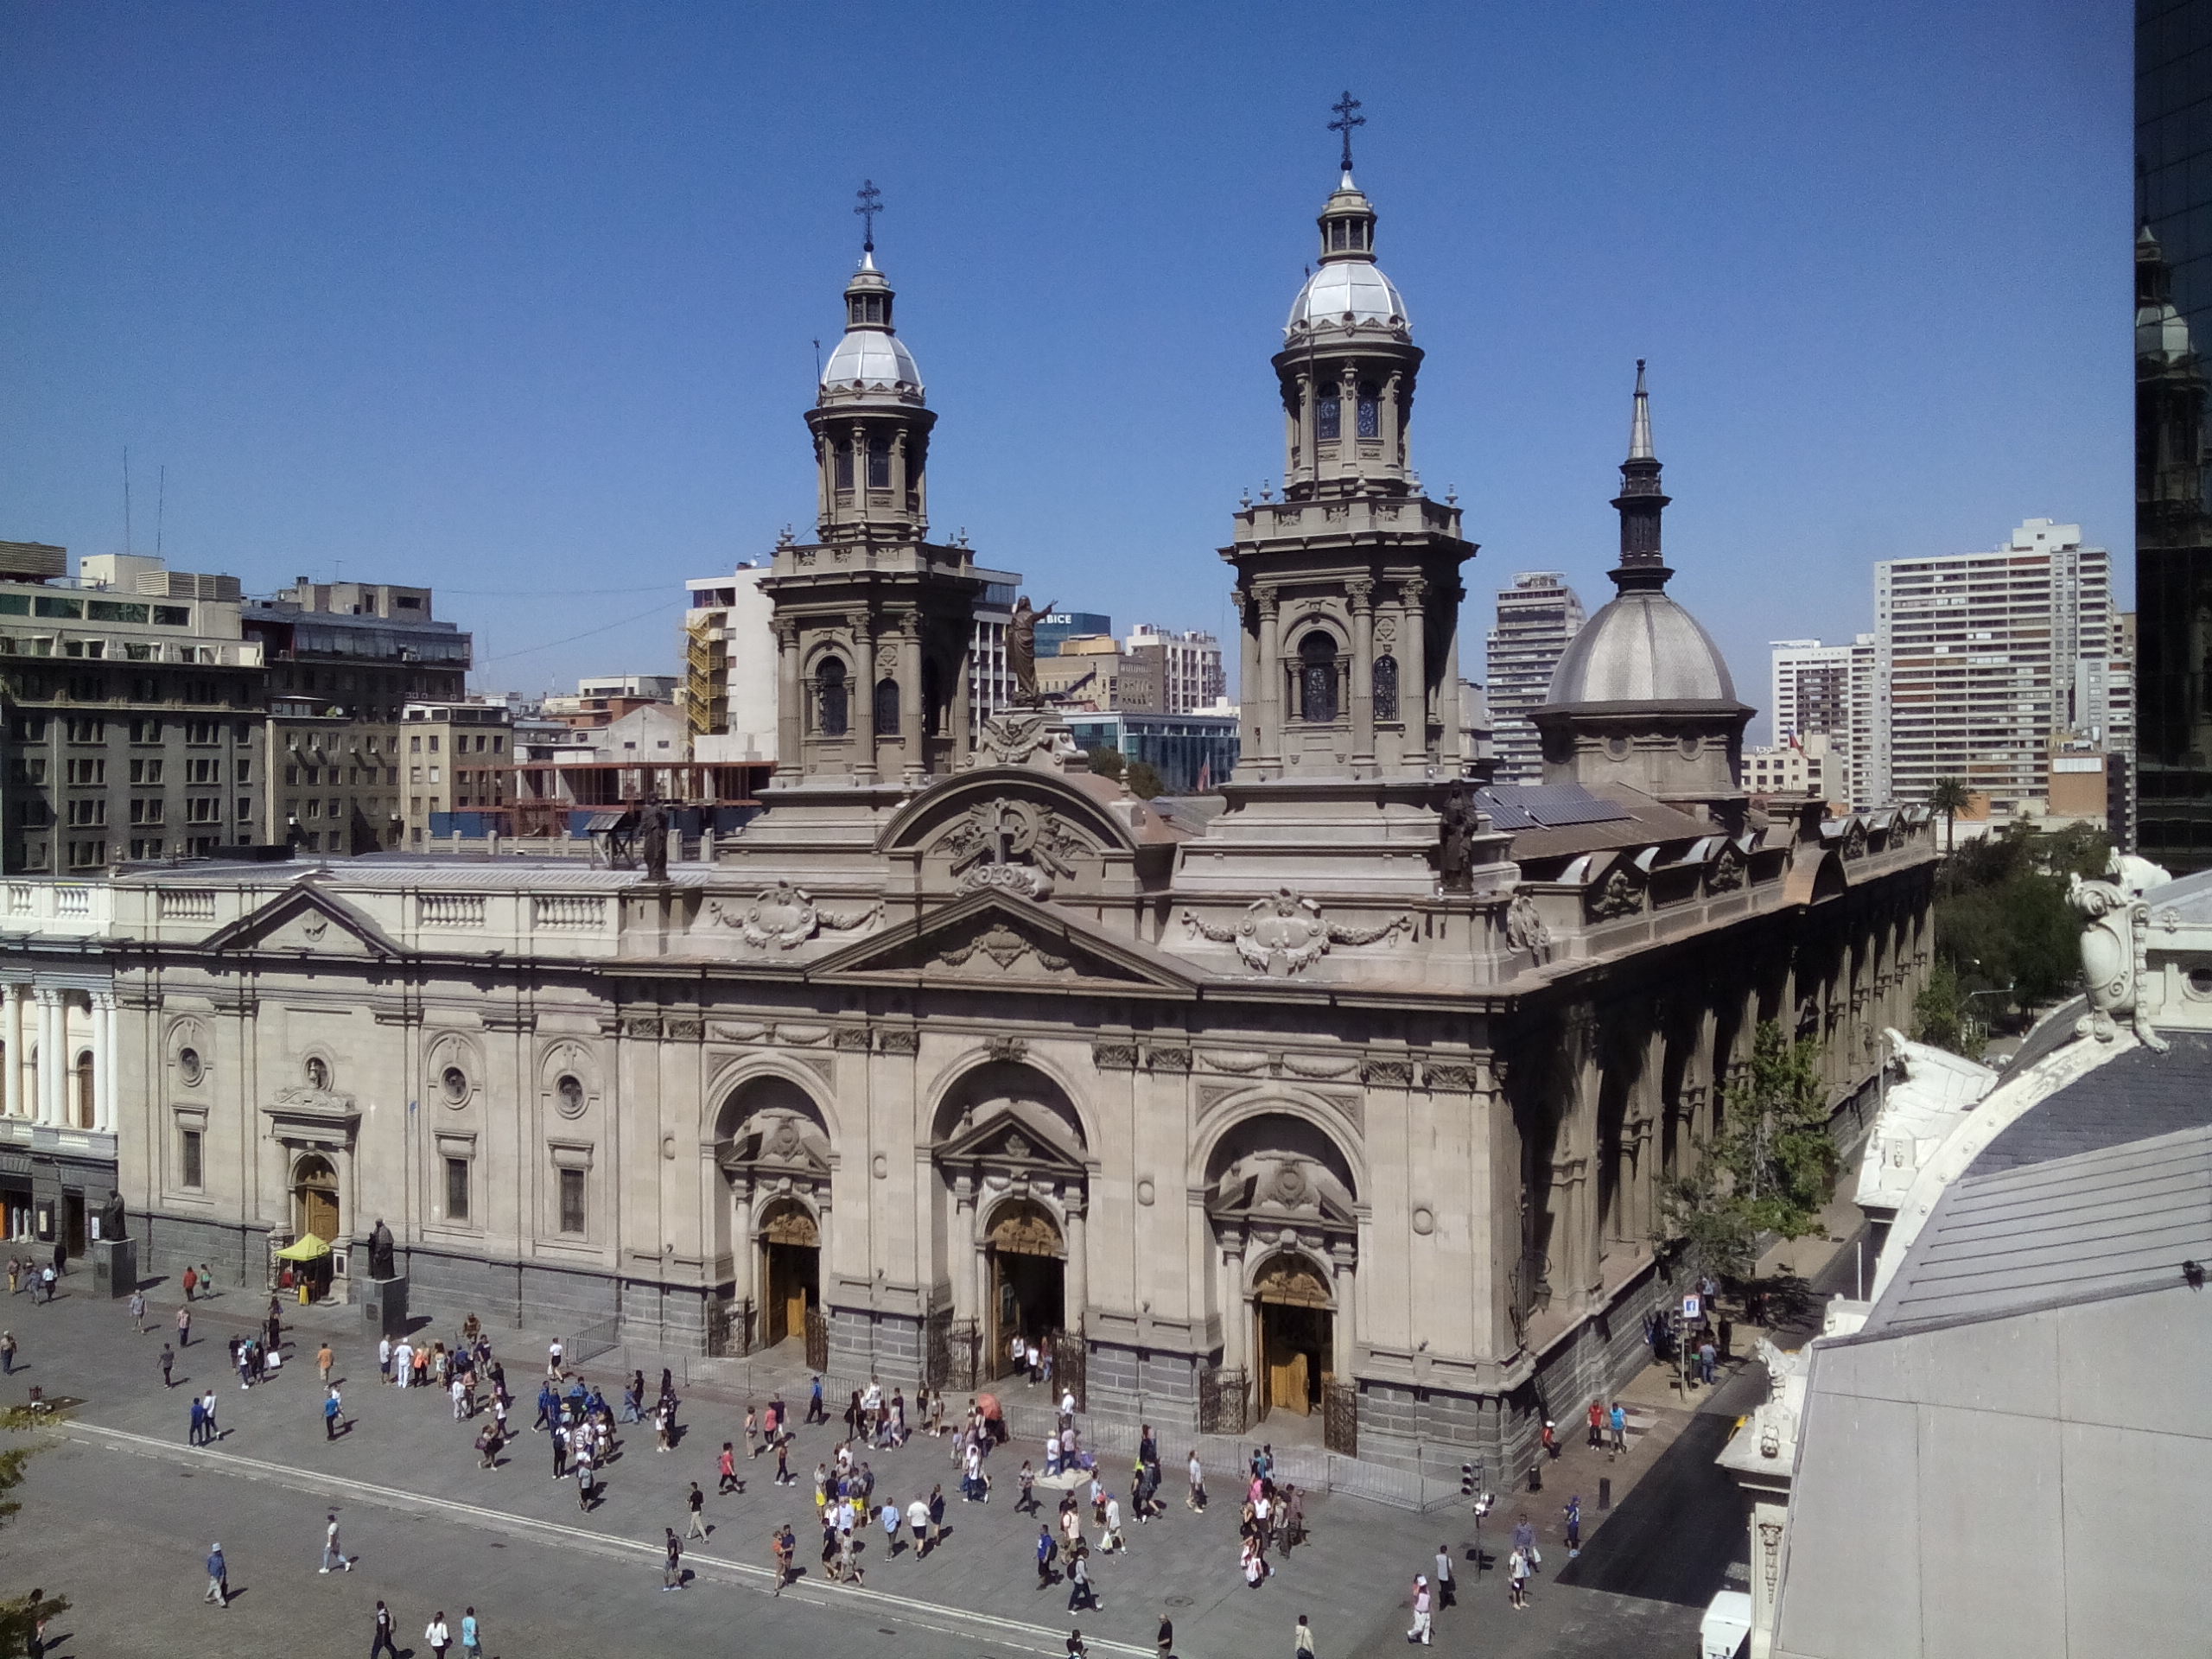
x=879, y=461
x=932, y=699
x=830, y=698
x=1317, y=677
x=1370, y=414
x=1386, y=686
x=886, y=708
x=1328, y=419
x=844, y=467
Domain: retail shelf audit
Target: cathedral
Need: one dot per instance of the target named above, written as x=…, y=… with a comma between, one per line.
x=1349, y=1100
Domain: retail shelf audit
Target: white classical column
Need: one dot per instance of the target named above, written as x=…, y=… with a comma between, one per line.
x=1078, y=1289
x=11, y=1033
x=1235, y=1317
x=105, y=1047
x=1345, y=1258
x=53, y=1062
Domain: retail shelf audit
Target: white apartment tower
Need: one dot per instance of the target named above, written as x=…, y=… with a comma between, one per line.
x=1536, y=616
x=1980, y=659
x=1828, y=691
x=1191, y=679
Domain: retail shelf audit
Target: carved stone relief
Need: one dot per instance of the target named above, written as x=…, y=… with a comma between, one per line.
x=1285, y=933
x=785, y=917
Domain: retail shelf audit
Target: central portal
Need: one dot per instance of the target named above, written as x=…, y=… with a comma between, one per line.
x=1296, y=1332
x=1029, y=1281
x=791, y=1249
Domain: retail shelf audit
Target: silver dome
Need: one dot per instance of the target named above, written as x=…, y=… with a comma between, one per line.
x=1643, y=647
x=873, y=358
x=1348, y=289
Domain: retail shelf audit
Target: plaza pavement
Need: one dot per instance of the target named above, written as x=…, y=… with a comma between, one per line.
x=118, y=1515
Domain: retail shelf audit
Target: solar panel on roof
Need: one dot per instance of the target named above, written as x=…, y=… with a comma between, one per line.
x=1504, y=814
x=1552, y=805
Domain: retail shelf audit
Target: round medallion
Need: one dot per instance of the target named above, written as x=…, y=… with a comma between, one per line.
x=188, y=1068
x=1424, y=1220
x=453, y=1084
x=1691, y=745
x=1617, y=748
x=1145, y=1190
x=568, y=1096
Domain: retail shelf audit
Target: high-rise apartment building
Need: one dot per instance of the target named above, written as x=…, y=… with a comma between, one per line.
x=729, y=694
x=1827, y=691
x=1189, y=674
x=460, y=771
x=135, y=712
x=1536, y=616
x=1981, y=659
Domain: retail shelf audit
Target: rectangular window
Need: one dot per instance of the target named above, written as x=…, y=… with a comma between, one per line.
x=87, y=731
x=145, y=771
x=30, y=728
x=457, y=1194
x=844, y=468
x=434, y=774
x=879, y=463
x=87, y=854
x=246, y=814
x=245, y=771
x=433, y=744
x=87, y=772
x=172, y=616
x=146, y=848
x=1371, y=418
x=201, y=771
x=145, y=731
x=572, y=1200
x=90, y=813
x=146, y=809
x=203, y=810
x=189, y=1162
x=415, y=744
x=31, y=773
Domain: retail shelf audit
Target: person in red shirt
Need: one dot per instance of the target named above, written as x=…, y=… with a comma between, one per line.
x=730, y=1482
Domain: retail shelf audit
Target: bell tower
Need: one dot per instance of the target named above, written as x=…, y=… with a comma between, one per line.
x=873, y=619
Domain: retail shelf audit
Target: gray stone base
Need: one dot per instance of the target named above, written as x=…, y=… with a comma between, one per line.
x=1142, y=1385
x=887, y=1346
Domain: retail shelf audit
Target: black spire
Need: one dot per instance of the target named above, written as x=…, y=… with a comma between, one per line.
x=1640, y=503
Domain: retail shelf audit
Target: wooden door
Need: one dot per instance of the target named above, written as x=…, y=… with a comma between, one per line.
x=1286, y=1384
x=321, y=1211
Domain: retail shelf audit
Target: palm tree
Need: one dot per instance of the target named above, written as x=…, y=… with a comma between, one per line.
x=1950, y=796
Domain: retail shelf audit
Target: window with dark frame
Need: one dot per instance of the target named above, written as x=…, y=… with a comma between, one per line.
x=457, y=1191
x=572, y=1201
x=189, y=1167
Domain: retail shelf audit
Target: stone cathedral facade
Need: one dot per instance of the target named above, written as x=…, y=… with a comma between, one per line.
x=1350, y=1097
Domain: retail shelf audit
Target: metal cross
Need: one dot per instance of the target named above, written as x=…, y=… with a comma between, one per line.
x=871, y=205
x=1345, y=122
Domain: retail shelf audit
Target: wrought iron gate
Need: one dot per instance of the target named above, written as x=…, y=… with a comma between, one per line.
x=817, y=1339
x=729, y=1329
x=1340, y=1417
x=1222, y=1396
x=949, y=1351
x=1070, y=1368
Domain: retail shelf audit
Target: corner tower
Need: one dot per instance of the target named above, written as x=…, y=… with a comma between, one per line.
x=872, y=620
x=1641, y=696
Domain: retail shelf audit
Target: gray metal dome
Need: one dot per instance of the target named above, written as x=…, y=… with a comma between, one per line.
x=1643, y=647
x=871, y=357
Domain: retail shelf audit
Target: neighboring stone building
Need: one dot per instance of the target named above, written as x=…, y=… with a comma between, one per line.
x=1352, y=1098
x=460, y=771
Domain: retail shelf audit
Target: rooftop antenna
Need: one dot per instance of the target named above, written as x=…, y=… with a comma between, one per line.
x=818, y=359
x=871, y=204
x=1345, y=122
x=126, y=499
x=161, y=508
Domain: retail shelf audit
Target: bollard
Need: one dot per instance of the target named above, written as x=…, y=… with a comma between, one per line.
x=1604, y=1492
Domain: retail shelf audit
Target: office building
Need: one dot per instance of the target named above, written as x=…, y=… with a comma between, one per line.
x=1536, y=616
x=729, y=694
x=135, y=712
x=1060, y=626
x=602, y=700
x=1191, y=752
x=344, y=658
x=1801, y=766
x=2173, y=535
x=1828, y=690
x=1189, y=672
x=1980, y=659
x=460, y=771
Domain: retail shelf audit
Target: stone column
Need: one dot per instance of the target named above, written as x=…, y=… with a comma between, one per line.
x=1393, y=425
x=1363, y=677
x=11, y=1033
x=968, y=1251
x=743, y=1269
x=1235, y=1317
x=1413, y=670
x=53, y=1062
x=963, y=734
x=1307, y=467
x=1270, y=697
x=863, y=715
x=1349, y=464
x=791, y=707
x=913, y=719
x=1344, y=1327
x=1077, y=1291
x=103, y=1057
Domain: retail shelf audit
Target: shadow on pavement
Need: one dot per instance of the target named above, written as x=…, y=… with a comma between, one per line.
x=1674, y=1534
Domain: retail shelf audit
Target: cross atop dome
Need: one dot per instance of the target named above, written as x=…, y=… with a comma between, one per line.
x=1344, y=123
x=871, y=204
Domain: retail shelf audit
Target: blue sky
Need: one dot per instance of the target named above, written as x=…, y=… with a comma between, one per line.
x=517, y=301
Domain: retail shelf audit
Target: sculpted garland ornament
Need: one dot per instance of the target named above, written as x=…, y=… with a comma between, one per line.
x=1284, y=934
x=786, y=917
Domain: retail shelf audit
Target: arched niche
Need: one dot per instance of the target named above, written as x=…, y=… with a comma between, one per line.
x=772, y=1146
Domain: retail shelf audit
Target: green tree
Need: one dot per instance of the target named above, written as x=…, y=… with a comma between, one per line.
x=1939, y=1014
x=1768, y=1169
x=1144, y=780
x=1107, y=763
x=1950, y=797
x=2002, y=922
x=19, y=1615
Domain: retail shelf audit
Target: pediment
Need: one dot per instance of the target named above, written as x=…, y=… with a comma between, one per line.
x=305, y=921
x=993, y=940
x=1016, y=1141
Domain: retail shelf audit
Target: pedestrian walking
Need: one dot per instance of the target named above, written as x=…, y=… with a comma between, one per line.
x=1516, y=1579
x=671, y=1577
x=1076, y=1650
x=168, y=1362
x=208, y=1408
x=1421, y=1628
x=786, y=1548
x=437, y=1636
x=697, y=1503
x=1026, y=1503
x=1046, y=1552
x=1196, y=1501
x=816, y=1411
x=1079, y=1591
x=324, y=1359
x=1446, y=1585
x=1524, y=1540
x=1574, y=1526
x=199, y=1423
x=138, y=1312
x=191, y=1280
x=472, y=1637
x=183, y=1327
x=333, y=1555
x=1165, y=1640
x=1617, y=1419
x=1304, y=1650
x=1706, y=1354
x=1551, y=1441
x=1597, y=1426
x=917, y=1517
x=218, y=1577
x=383, y=1641
x=332, y=1406
x=7, y=1353
x=727, y=1469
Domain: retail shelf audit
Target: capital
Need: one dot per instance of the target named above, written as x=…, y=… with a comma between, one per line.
x=1414, y=589
x=1362, y=594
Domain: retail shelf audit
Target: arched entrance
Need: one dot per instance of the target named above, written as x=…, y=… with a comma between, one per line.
x=1028, y=1280
x=314, y=1197
x=790, y=1268
x=1294, y=1318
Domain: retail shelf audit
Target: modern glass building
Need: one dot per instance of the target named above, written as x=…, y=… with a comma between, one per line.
x=2173, y=539
x=1191, y=752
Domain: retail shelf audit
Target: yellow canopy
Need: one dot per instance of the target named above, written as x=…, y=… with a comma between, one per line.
x=308, y=1249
